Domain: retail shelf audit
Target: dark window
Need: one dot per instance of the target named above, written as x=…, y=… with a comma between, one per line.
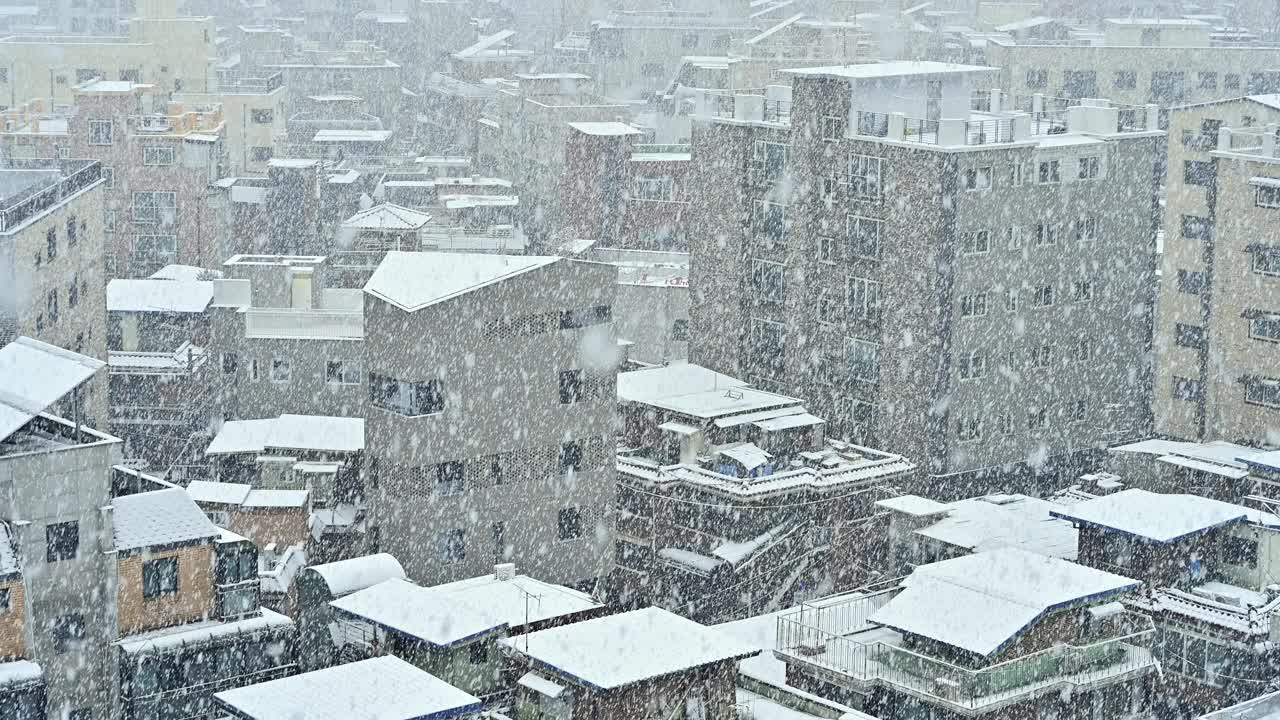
x=73, y=231
x=1266, y=196
x=73, y=292
x=230, y=363
x=768, y=280
x=452, y=545
x=1231, y=81
x=497, y=473
x=1042, y=296
x=160, y=577
x=499, y=532
x=570, y=523
x=62, y=541
x=451, y=478
x=1191, y=282
x=1241, y=551
x=1125, y=80
x=571, y=456
x=1208, y=80
x=261, y=153
x=1262, y=391
x=6, y=601
x=51, y=241
x=404, y=397
x=52, y=306
x=1197, y=172
x=651, y=70
x=585, y=317
x=68, y=633
x=1195, y=227
x=1037, y=78
x=1078, y=410
x=570, y=386
x=80, y=714
x=478, y=653
x=1191, y=336
x=39, y=258
x=1080, y=83
x=1037, y=419
x=263, y=116
x=680, y=330
x=1185, y=388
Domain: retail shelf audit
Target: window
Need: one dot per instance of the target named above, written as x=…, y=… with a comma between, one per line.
x=1087, y=229
x=1016, y=234
x=1195, y=227
x=1089, y=167
x=768, y=343
x=569, y=524
x=1081, y=291
x=1266, y=260
x=51, y=302
x=261, y=153
x=158, y=155
x=1050, y=171
x=1004, y=424
x=1046, y=234
x=1208, y=80
x=263, y=116
x=1042, y=296
x=866, y=176
x=281, y=370
x=833, y=128
x=1231, y=81
x=1189, y=336
x=478, y=653
x=497, y=473
x=1042, y=356
x=1191, y=282
x=51, y=243
x=452, y=546
x=68, y=633
x=680, y=330
x=109, y=174
x=572, y=456
x=159, y=578
x=6, y=601
x=254, y=373
x=570, y=386
x=101, y=132
x=1037, y=419
x=653, y=188
x=1037, y=79
x=1081, y=350
x=1240, y=551
x=828, y=249
x=652, y=70
x=404, y=397
x=977, y=178
x=1019, y=173
x=39, y=258
x=586, y=317
x=1011, y=300
x=864, y=297
x=73, y=231
x=1267, y=196
x=968, y=429
x=1185, y=388
x=772, y=158
x=1197, y=172
x=155, y=207
x=974, y=305
x=975, y=242
x=1078, y=409
x=768, y=279
x=62, y=541
x=1125, y=80
x=771, y=223
x=864, y=359
x=342, y=372
x=973, y=366
x=109, y=220
x=451, y=478
x=1262, y=391
x=498, y=531
x=864, y=236
x=230, y=363
x=1265, y=326
x=73, y=291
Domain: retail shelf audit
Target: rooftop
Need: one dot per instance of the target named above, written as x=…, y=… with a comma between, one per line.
x=289, y=432
x=35, y=375
x=605, y=128
x=1154, y=517
x=999, y=521
x=414, y=280
x=983, y=602
x=217, y=493
x=159, y=295
x=159, y=517
x=868, y=71
x=347, y=576
x=417, y=612
x=387, y=216
x=619, y=650
x=1263, y=707
x=695, y=391
x=380, y=688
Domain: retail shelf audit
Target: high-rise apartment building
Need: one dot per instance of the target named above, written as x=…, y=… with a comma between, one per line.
x=969, y=289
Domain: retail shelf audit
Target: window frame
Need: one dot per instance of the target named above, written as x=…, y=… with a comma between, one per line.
x=160, y=577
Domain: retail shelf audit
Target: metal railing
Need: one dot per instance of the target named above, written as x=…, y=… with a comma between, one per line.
x=1049, y=122
x=155, y=363
x=290, y=323
x=920, y=130
x=36, y=200
x=777, y=111
x=152, y=415
x=988, y=132
x=873, y=124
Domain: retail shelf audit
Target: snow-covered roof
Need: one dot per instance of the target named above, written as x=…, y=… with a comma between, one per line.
x=1145, y=22
x=218, y=493
x=387, y=216
x=787, y=422
x=240, y=436
x=295, y=432
x=200, y=633
x=417, y=612
x=984, y=601
x=380, y=688
x=485, y=43
x=1263, y=707
x=541, y=685
x=159, y=517
x=275, y=498
x=33, y=376
x=1154, y=517
x=505, y=600
x=1267, y=460
x=695, y=391
x=898, y=68
x=913, y=505
x=17, y=672
x=1026, y=24
x=415, y=280
x=627, y=648
x=748, y=454
x=351, y=136
x=189, y=273
x=461, y=202
x=774, y=29
x=1271, y=100
x=999, y=521
x=605, y=128
x=9, y=564
x=347, y=576
x=155, y=295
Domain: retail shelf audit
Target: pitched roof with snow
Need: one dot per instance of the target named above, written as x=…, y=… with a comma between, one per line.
x=983, y=602
x=505, y=600
x=387, y=216
x=407, y=609
x=414, y=280
x=159, y=517
x=347, y=576
x=1159, y=518
x=627, y=648
x=33, y=376
x=999, y=521
x=380, y=688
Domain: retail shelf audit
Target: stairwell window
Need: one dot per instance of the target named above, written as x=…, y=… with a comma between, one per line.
x=866, y=174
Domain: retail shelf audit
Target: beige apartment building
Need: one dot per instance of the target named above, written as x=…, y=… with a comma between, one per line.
x=1188, y=314
x=1219, y=317
x=254, y=112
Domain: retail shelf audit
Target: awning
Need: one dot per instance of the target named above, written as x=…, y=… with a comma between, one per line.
x=1223, y=470
x=541, y=685
x=678, y=428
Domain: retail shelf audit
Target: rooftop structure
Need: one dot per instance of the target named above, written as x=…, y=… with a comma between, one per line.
x=1154, y=517
x=413, y=281
x=289, y=432
x=165, y=518
x=34, y=376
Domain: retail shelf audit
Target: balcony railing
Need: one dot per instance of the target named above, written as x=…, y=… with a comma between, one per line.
x=156, y=363
x=174, y=416
x=777, y=111
x=304, y=324
x=1119, y=652
x=35, y=201
x=987, y=132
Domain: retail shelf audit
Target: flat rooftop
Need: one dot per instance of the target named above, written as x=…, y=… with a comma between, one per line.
x=900, y=68
x=1157, y=518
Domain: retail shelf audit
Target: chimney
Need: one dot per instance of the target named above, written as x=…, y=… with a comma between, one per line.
x=504, y=571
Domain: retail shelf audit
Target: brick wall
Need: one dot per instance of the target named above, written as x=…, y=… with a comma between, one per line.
x=192, y=602
x=12, y=620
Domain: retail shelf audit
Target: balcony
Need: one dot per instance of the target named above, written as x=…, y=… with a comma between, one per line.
x=184, y=362
x=837, y=639
x=26, y=204
x=304, y=324
x=202, y=119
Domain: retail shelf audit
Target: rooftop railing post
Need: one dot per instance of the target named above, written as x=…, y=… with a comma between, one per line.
x=897, y=126
x=1269, y=141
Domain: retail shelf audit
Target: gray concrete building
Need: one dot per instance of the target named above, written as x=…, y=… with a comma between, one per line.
x=968, y=289
x=489, y=414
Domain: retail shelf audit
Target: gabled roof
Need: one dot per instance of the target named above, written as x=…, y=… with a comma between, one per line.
x=485, y=43
x=414, y=280
x=416, y=612
x=1157, y=518
x=35, y=375
x=387, y=216
x=983, y=602
x=159, y=295
x=159, y=517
